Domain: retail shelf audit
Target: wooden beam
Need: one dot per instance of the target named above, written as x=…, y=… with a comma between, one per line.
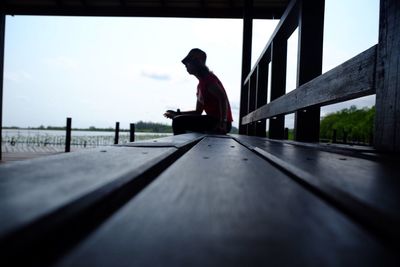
x=387, y=118
x=354, y=78
x=2, y=35
x=134, y=11
x=311, y=35
x=246, y=63
x=123, y=3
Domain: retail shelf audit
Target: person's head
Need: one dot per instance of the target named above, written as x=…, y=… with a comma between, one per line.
x=195, y=62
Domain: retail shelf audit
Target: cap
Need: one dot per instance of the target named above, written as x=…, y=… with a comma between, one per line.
x=195, y=55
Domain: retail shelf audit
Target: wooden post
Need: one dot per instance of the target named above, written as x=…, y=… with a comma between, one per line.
x=262, y=94
x=334, y=136
x=116, y=138
x=252, y=92
x=278, y=83
x=2, y=34
x=244, y=107
x=286, y=134
x=311, y=31
x=246, y=62
x=344, y=137
x=132, y=133
x=68, y=135
x=387, y=116
x=252, y=101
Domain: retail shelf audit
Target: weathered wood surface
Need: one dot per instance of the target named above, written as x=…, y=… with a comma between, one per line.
x=177, y=141
x=222, y=205
x=387, y=120
x=212, y=202
x=41, y=199
x=352, y=79
x=367, y=187
x=25, y=151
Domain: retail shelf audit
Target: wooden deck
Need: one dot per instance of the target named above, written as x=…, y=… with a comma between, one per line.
x=11, y=153
x=202, y=200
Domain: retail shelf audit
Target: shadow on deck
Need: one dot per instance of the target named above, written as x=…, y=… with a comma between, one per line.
x=202, y=200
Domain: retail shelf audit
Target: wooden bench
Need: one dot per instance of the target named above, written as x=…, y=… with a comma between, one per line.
x=202, y=200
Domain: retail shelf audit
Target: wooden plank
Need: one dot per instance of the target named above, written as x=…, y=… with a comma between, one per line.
x=49, y=203
x=387, y=120
x=138, y=11
x=177, y=141
x=352, y=79
x=365, y=188
x=311, y=35
x=222, y=205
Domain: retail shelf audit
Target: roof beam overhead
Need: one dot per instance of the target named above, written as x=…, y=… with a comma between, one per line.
x=123, y=3
x=84, y=3
x=266, y=9
x=60, y=3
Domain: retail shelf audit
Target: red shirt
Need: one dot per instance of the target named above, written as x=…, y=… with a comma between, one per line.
x=209, y=101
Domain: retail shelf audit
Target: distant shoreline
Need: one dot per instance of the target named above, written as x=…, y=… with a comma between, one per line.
x=144, y=127
x=79, y=129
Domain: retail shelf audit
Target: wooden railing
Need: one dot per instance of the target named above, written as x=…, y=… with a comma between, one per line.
x=374, y=71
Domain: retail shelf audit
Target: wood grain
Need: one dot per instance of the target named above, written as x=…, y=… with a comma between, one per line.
x=222, y=205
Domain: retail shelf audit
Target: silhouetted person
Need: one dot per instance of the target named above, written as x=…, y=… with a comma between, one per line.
x=211, y=98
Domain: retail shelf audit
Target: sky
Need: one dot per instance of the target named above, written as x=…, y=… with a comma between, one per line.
x=100, y=70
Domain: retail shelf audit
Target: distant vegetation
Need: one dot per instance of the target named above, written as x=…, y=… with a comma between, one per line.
x=351, y=124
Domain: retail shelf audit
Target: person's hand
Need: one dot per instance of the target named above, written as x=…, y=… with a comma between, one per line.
x=170, y=114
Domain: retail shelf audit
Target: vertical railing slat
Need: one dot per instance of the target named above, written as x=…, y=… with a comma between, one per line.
x=311, y=31
x=278, y=83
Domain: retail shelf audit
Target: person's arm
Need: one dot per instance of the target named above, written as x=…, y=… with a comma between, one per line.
x=172, y=114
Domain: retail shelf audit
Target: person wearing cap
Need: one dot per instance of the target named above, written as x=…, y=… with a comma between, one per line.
x=211, y=98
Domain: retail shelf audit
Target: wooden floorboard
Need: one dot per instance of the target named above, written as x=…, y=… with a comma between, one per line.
x=177, y=141
x=223, y=205
x=201, y=200
x=367, y=187
x=48, y=203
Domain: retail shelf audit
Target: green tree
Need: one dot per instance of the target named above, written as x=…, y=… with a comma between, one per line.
x=351, y=123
